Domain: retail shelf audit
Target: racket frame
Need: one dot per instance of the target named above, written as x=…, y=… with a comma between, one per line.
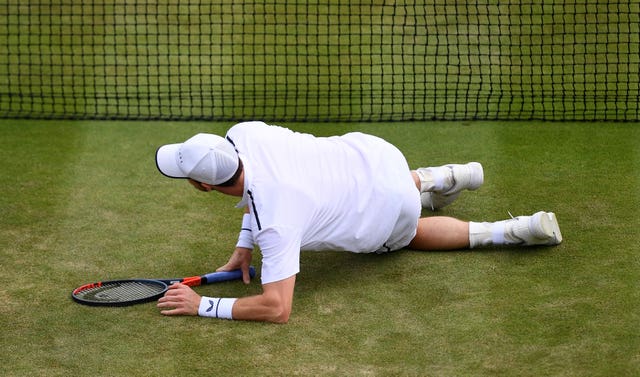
x=191, y=281
x=163, y=287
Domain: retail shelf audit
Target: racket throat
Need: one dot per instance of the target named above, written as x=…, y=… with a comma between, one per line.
x=192, y=281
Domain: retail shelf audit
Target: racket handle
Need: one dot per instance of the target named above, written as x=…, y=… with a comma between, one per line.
x=216, y=277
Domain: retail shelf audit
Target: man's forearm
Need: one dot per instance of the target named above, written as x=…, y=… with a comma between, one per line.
x=273, y=305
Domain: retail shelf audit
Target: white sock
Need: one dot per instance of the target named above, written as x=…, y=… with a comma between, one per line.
x=494, y=233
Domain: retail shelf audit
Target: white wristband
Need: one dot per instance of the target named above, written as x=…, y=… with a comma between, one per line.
x=216, y=307
x=245, y=238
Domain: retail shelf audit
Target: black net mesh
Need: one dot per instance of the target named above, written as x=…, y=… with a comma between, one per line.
x=317, y=60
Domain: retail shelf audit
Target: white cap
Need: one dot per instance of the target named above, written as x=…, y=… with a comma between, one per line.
x=205, y=158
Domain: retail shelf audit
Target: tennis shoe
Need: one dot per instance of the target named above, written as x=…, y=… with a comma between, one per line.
x=463, y=177
x=541, y=228
x=455, y=178
x=434, y=201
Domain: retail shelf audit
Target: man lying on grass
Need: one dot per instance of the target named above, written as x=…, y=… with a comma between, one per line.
x=300, y=192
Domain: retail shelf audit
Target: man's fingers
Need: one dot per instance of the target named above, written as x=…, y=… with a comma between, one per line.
x=223, y=268
x=246, y=277
x=175, y=301
x=173, y=311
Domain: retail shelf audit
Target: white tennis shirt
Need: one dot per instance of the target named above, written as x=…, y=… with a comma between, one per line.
x=352, y=192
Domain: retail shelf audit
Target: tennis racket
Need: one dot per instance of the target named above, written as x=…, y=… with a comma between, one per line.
x=135, y=291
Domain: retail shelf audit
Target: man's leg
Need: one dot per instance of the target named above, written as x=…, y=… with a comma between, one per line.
x=447, y=233
x=441, y=233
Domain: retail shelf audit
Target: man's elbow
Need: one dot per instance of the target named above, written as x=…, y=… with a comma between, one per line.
x=281, y=314
x=277, y=299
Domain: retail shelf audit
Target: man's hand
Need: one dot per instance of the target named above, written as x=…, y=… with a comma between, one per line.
x=241, y=258
x=180, y=299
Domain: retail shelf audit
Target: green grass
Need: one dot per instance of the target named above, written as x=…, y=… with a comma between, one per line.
x=82, y=201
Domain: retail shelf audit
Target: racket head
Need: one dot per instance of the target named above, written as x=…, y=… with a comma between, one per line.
x=119, y=292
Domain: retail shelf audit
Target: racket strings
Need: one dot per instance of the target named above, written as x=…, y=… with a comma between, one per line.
x=122, y=291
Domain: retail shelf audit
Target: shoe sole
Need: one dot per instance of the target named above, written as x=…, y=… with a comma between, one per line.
x=476, y=178
x=435, y=201
x=549, y=228
x=477, y=175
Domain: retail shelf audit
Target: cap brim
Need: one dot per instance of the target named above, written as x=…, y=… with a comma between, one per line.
x=167, y=162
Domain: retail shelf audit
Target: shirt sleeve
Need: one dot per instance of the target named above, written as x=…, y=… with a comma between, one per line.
x=279, y=236
x=280, y=248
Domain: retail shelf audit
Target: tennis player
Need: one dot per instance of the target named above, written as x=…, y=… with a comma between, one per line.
x=300, y=192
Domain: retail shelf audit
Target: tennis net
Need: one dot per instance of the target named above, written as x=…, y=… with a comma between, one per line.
x=312, y=60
